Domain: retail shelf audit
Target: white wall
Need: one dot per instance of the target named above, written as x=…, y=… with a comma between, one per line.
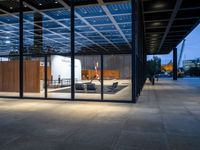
x=61, y=65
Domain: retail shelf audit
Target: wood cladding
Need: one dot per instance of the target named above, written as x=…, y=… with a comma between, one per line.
x=121, y=63
x=108, y=74
x=9, y=76
x=32, y=76
x=42, y=73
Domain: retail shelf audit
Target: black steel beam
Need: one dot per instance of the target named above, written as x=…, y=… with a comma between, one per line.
x=45, y=76
x=172, y=18
x=102, y=79
x=174, y=63
x=38, y=34
x=134, y=14
x=72, y=51
x=21, y=45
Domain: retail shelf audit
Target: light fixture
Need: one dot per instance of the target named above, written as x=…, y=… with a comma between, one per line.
x=40, y=4
x=56, y=2
x=154, y=35
x=11, y=7
x=7, y=42
x=159, y=5
x=156, y=23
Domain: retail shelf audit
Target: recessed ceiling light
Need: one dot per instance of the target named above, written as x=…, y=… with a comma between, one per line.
x=7, y=42
x=40, y=4
x=55, y=2
x=159, y=5
x=156, y=23
x=154, y=35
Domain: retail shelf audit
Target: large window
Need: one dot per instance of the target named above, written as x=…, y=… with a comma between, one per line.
x=117, y=77
x=101, y=51
x=9, y=49
x=47, y=35
x=59, y=76
x=88, y=77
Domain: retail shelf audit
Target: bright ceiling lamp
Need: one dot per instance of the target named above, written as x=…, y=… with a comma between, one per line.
x=7, y=42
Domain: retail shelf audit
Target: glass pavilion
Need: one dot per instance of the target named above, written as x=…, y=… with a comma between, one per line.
x=70, y=50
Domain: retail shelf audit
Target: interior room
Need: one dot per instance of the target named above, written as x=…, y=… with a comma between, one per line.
x=98, y=68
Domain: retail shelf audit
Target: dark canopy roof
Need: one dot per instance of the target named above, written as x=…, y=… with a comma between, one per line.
x=168, y=22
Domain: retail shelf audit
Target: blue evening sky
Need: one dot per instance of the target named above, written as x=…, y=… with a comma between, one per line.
x=191, y=49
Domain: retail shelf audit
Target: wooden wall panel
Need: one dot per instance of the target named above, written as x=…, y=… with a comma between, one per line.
x=42, y=73
x=108, y=74
x=9, y=76
x=1, y=76
x=32, y=76
x=122, y=63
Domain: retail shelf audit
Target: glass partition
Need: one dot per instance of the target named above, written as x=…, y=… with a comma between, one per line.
x=33, y=76
x=59, y=76
x=117, y=77
x=9, y=48
x=88, y=77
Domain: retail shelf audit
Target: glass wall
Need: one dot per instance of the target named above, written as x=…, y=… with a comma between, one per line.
x=59, y=76
x=88, y=77
x=33, y=76
x=47, y=34
x=117, y=77
x=102, y=38
x=9, y=49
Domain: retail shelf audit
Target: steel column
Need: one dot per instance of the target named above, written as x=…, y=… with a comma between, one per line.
x=134, y=39
x=174, y=63
x=45, y=75
x=72, y=51
x=102, y=70
x=21, y=37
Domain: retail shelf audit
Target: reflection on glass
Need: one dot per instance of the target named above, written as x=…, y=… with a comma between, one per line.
x=9, y=49
x=88, y=82
x=59, y=76
x=33, y=73
x=117, y=77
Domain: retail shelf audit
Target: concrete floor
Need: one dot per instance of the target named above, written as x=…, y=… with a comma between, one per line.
x=166, y=117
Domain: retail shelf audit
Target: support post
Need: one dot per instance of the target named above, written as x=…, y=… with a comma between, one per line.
x=134, y=47
x=21, y=37
x=102, y=77
x=72, y=51
x=45, y=76
x=38, y=35
x=174, y=63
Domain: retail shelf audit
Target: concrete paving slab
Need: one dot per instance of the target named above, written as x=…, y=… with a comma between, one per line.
x=166, y=117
